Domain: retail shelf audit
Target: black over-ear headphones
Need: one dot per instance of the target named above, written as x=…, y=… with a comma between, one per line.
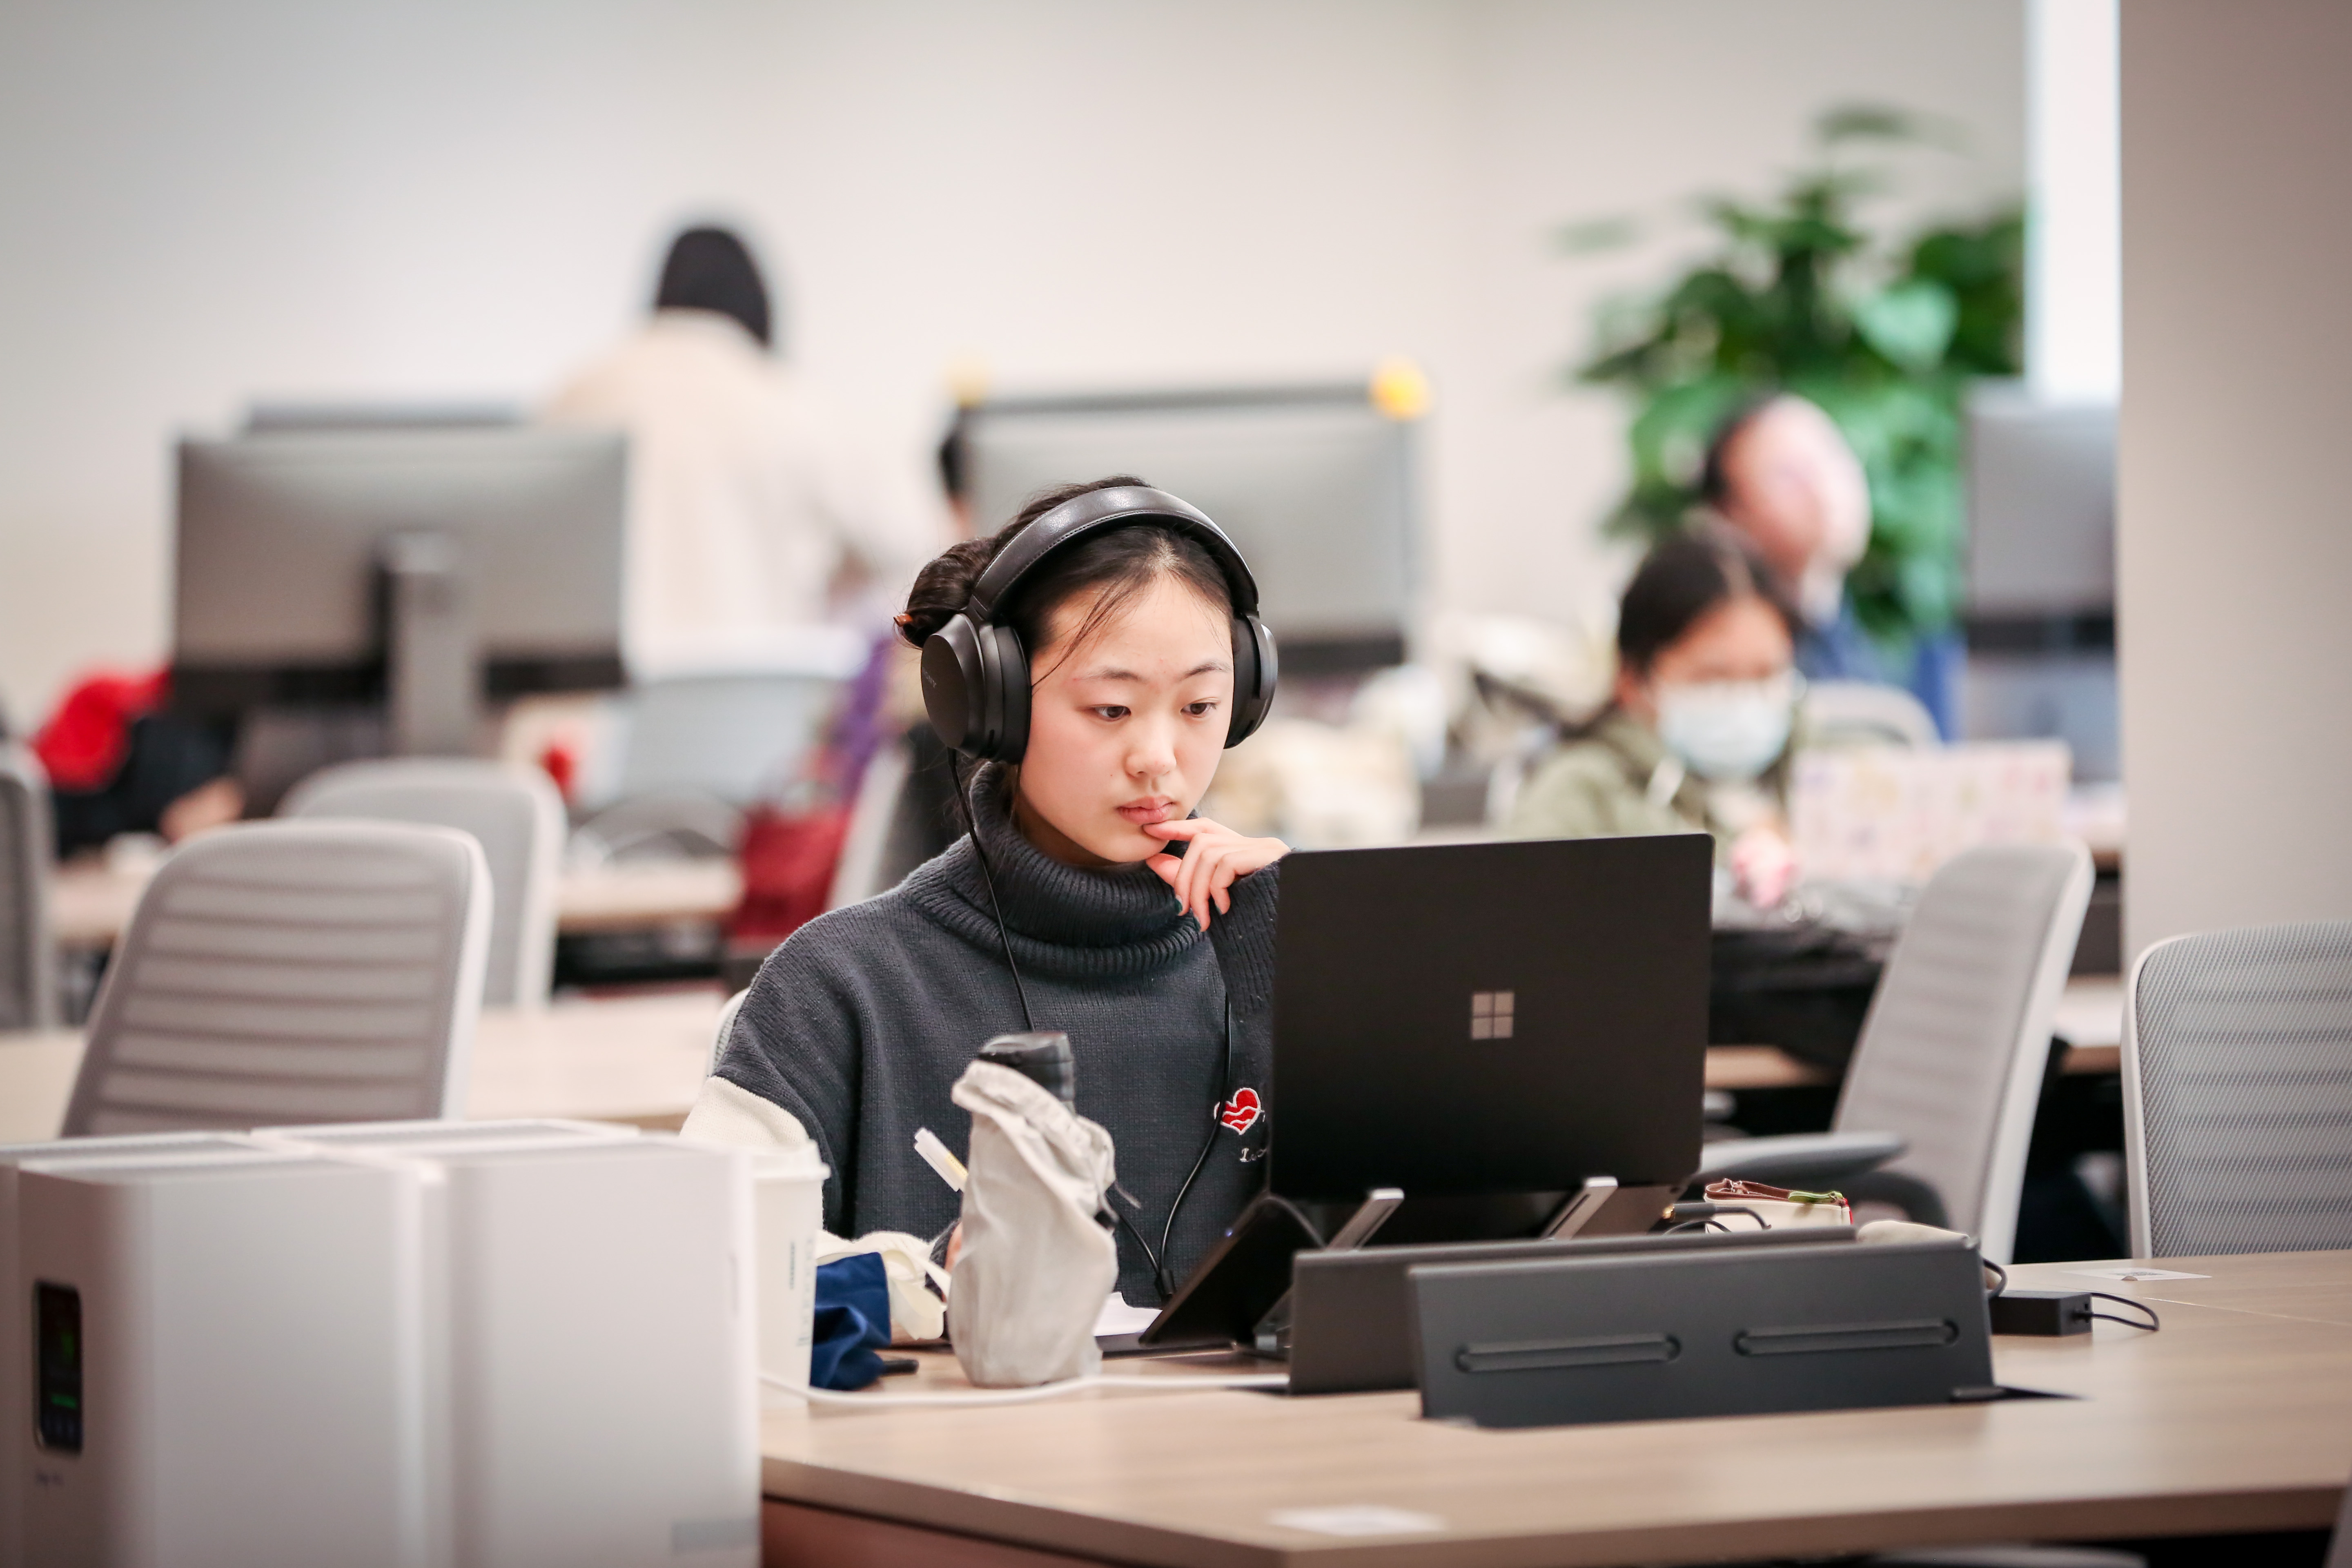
x=976, y=673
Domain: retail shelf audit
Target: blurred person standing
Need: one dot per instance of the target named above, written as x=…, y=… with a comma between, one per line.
x=1780, y=472
x=754, y=515
x=955, y=469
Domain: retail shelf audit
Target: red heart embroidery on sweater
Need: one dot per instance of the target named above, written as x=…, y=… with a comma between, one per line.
x=1241, y=1111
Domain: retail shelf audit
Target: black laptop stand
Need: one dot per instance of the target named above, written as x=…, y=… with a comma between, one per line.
x=1241, y=1292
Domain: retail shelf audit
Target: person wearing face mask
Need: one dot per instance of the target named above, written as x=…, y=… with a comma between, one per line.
x=1698, y=728
x=1781, y=474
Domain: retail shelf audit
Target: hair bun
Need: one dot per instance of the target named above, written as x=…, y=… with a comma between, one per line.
x=944, y=586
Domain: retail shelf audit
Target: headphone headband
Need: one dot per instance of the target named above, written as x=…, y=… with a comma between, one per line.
x=1098, y=511
x=976, y=673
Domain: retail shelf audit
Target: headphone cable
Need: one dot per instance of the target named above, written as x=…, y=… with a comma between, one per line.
x=964, y=799
x=971, y=824
x=1159, y=1275
x=1154, y=1257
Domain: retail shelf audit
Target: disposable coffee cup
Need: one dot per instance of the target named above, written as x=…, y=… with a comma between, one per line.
x=787, y=1216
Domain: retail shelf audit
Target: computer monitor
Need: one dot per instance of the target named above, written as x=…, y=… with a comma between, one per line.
x=2042, y=576
x=1314, y=483
x=422, y=567
x=461, y=414
x=2041, y=507
x=1467, y=1019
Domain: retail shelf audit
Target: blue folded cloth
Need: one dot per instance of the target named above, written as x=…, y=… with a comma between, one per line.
x=853, y=1321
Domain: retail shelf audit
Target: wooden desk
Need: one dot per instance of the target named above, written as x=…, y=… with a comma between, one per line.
x=1736, y=1068
x=89, y=903
x=2090, y=1020
x=631, y=896
x=637, y=1058
x=634, y=1058
x=2232, y=1418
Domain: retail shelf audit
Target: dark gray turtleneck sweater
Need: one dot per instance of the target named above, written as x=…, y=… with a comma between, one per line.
x=863, y=1019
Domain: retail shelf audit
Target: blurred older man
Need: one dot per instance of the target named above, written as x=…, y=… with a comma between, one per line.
x=1780, y=471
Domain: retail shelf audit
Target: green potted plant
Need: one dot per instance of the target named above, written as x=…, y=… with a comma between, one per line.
x=1884, y=334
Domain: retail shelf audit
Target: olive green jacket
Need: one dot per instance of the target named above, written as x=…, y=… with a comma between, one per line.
x=1616, y=779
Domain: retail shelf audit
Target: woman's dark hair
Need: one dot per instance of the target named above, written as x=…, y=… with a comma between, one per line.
x=1681, y=580
x=1714, y=481
x=712, y=270
x=1119, y=563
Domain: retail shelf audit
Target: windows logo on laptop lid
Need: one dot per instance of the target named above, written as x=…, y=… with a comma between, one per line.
x=1580, y=967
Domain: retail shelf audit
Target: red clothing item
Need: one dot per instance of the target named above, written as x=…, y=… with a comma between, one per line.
x=788, y=860
x=86, y=740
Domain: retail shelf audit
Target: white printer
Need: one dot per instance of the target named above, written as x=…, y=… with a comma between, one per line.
x=228, y=1360
x=427, y=1343
x=604, y=1404
x=16, y=1324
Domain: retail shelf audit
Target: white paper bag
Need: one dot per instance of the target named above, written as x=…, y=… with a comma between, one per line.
x=1034, y=1264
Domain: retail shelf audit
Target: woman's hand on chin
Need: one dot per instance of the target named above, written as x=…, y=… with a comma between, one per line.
x=1207, y=869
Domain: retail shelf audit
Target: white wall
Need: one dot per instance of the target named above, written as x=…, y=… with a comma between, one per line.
x=208, y=203
x=2234, y=536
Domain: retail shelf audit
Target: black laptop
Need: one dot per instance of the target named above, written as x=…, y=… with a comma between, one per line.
x=1477, y=1018
x=1470, y=1020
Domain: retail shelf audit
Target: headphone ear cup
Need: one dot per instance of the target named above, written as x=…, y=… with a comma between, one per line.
x=976, y=690
x=954, y=684
x=1007, y=697
x=1255, y=669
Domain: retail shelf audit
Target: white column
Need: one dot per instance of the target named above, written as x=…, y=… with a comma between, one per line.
x=2234, y=538
x=2073, y=308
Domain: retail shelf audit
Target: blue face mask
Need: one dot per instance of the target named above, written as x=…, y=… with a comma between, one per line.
x=1727, y=731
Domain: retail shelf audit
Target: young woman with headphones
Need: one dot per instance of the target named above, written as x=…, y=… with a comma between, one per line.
x=1090, y=663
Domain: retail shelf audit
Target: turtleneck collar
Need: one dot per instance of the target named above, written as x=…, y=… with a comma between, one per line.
x=1064, y=921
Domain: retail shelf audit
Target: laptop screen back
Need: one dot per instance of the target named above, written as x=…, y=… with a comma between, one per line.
x=1490, y=1017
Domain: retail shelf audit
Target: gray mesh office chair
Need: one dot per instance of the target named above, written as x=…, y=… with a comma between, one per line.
x=277, y=972
x=29, y=958
x=1948, y=1069
x=1858, y=712
x=513, y=812
x=2238, y=1091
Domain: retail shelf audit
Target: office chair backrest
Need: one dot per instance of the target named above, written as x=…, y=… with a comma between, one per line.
x=277, y=972
x=720, y=1036
x=513, y=812
x=866, y=865
x=1958, y=1038
x=737, y=734
x=679, y=823
x=2238, y=1091
x=28, y=960
x=1859, y=713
